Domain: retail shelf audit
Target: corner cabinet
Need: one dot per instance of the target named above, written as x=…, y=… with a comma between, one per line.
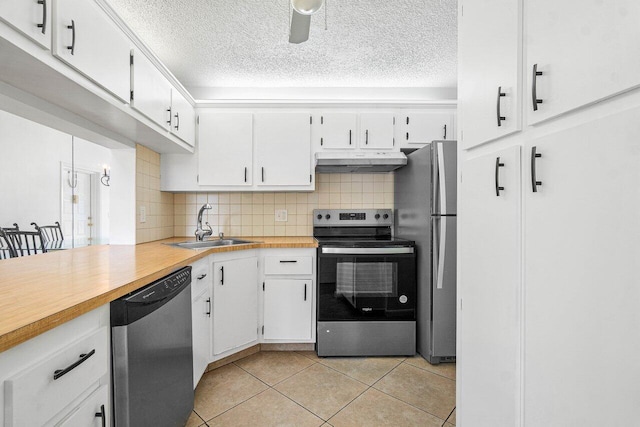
x=283, y=149
x=235, y=303
x=85, y=38
x=31, y=18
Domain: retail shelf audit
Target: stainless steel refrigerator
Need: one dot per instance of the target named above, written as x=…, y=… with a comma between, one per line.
x=425, y=211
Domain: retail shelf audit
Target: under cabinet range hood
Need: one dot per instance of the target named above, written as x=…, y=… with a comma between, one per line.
x=359, y=162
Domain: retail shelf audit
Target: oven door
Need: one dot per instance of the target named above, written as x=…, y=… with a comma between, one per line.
x=366, y=283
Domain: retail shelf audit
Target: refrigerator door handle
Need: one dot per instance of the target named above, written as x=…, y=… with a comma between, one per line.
x=442, y=179
x=439, y=254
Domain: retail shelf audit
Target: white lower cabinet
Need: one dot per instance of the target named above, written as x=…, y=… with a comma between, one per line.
x=201, y=309
x=58, y=377
x=289, y=295
x=235, y=303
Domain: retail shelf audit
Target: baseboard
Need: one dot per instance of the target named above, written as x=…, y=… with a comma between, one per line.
x=288, y=347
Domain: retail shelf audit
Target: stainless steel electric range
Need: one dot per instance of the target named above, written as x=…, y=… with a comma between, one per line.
x=366, y=285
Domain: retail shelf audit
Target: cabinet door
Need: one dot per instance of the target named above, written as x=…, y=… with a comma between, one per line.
x=584, y=52
x=489, y=297
x=92, y=412
x=489, y=41
x=422, y=128
x=376, y=130
x=283, y=148
x=183, y=118
x=85, y=38
x=338, y=130
x=150, y=90
x=287, y=309
x=31, y=18
x=582, y=246
x=225, y=148
x=235, y=303
x=201, y=311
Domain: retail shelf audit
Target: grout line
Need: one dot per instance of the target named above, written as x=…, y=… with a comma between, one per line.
x=234, y=406
x=435, y=373
x=448, y=416
x=306, y=409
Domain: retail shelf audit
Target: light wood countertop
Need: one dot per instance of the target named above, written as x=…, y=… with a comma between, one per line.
x=40, y=292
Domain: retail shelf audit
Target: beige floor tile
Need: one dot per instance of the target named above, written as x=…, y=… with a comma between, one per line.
x=321, y=390
x=445, y=369
x=269, y=408
x=374, y=408
x=310, y=354
x=365, y=369
x=224, y=388
x=274, y=366
x=423, y=389
x=194, y=420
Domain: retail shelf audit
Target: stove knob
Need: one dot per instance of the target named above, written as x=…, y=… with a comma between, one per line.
x=385, y=216
x=377, y=216
x=327, y=216
x=319, y=216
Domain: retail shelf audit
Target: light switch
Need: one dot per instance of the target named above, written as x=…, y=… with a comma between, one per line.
x=281, y=215
x=143, y=214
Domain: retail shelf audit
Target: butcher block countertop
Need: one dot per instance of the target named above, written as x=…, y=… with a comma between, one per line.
x=40, y=292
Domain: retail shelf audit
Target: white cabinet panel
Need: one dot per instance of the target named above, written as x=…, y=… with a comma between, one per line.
x=489, y=42
x=235, y=303
x=32, y=18
x=150, y=90
x=287, y=309
x=287, y=265
x=337, y=130
x=581, y=277
x=183, y=118
x=422, y=128
x=489, y=307
x=201, y=310
x=585, y=52
x=92, y=412
x=283, y=149
x=85, y=38
x=377, y=130
x=225, y=148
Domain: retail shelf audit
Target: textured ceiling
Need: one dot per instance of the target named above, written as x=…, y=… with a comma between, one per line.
x=244, y=43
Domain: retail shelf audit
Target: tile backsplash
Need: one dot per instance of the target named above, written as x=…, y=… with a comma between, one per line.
x=157, y=204
x=253, y=214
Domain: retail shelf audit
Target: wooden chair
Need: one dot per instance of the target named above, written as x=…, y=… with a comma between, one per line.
x=6, y=248
x=50, y=233
x=25, y=243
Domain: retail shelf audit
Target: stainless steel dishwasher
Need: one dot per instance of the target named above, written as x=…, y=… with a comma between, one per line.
x=152, y=354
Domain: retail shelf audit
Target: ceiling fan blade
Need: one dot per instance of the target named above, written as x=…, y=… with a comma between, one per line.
x=299, y=31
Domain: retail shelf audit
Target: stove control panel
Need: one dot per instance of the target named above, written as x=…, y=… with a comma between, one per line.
x=352, y=217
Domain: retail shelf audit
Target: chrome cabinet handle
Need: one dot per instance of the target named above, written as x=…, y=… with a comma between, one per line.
x=103, y=415
x=498, y=187
x=170, y=116
x=177, y=116
x=72, y=27
x=534, y=87
x=44, y=16
x=534, y=182
x=499, y=116
x=83, y=358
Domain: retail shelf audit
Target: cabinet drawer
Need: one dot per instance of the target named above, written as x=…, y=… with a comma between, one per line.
x=200, y=277
x=91, y=411
x=33, y=396
x=288, y=265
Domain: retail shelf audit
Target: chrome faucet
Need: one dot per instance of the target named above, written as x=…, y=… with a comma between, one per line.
x=201, y=232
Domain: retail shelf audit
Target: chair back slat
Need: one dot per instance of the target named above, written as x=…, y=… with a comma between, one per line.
x=6, y=248
x=25, y=242
x=50, y=233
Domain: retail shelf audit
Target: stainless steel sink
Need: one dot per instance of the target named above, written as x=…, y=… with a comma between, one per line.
x=210, y=243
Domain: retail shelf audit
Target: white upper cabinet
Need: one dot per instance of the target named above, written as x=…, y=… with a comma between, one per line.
x=183, y=118
x=582, y=52
x=489, y=40
x=377, y=130
x=489, y=308
x=283, y=149
x=225, y=148
x=336, y=130
x=150, y=90
x=85, y=38
x=422, y=128
x=32, y=18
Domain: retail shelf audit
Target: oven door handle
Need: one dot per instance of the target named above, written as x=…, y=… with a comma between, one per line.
x=366, y=251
